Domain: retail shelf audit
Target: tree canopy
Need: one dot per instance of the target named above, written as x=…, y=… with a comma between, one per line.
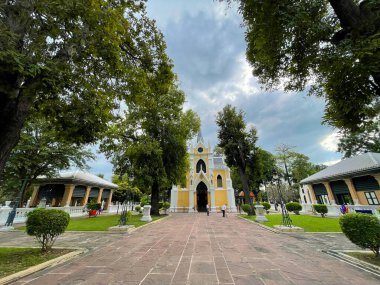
x=366, y=139
x=71, y=61
x=333, y=46
x=40, y=152
x=149, y=142
x=237, y=143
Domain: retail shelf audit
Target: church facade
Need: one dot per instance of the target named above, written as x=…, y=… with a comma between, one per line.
x=208, y=181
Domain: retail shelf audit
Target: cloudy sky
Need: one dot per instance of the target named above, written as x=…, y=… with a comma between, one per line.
x=205, y=40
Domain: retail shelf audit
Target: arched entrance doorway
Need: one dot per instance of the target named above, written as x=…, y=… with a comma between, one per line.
x=201, y=197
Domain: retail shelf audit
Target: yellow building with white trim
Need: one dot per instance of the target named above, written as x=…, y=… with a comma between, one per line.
x=208, y=181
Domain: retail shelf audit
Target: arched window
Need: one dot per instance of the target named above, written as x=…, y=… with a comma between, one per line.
x=201, y=165
x=219, y=181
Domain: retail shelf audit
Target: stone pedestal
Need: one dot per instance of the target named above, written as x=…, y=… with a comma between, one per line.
x=260, y=217
x=146, y=214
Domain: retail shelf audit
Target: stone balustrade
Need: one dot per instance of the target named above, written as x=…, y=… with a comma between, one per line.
x=334, y=210
x=21, y=213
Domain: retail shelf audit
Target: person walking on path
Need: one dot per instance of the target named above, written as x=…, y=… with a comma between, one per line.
x=208, y=210
x=224, y=210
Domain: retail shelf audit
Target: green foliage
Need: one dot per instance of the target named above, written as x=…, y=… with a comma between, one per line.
x=46, y=226
x=160, y=204
x=71, y=62
x=137, y=208
x=40, y=152
x=150, y=143
x=332, y=44
x=365, y=139
x=363, y=230
x=125, y=192
x=293, y=167
x=145, y=200
x=238, y=144
x=93, y=206
x=266, y=205
x=293, y=207
x=247, y=209
x=166, y=205
x=321, y=209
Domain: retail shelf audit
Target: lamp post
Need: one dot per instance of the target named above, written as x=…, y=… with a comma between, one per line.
x=12, y=213
x=286, y=221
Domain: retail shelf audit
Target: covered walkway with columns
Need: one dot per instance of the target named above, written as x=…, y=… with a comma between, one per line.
x=72, y=189
x=354, y=181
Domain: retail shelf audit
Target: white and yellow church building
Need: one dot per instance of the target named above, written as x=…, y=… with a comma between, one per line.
x=208, y=181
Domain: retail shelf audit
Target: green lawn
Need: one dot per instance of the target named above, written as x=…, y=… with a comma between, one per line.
x=13, y=260
x=368, y=257
x=308, y=223
x=101, y=223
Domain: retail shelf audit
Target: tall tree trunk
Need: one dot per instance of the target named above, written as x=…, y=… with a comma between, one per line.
x=155, y=198
x=13, y=112
x=244, y=182
x=287, y=174
x=347, y=12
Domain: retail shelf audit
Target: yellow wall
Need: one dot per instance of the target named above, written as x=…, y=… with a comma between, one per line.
x=222, y=173
x=183, y=198
x=221, y=198
x=363, y=199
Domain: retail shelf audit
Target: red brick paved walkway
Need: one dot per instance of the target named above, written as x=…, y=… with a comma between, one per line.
x=196, y=249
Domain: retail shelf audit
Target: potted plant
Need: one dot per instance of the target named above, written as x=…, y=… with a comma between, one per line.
x=93, y=208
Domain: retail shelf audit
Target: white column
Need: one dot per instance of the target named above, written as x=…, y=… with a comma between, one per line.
x=173, y=199
x=191, y=200
x=212, y=194
x=231, y=200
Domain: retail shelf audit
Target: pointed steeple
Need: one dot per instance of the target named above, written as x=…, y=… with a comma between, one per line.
x=200, y=137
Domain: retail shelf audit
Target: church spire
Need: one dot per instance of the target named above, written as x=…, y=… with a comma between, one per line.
x=200, y=137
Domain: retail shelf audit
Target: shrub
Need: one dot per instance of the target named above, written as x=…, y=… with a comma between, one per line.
x=160, y=204
x=93, y=206
x=166, y=206
x=293, y=207
x=137, y=208
x=46, y=226
x=321, y=208
x=247, y=208
x=266, y=206
x=144, y=200
x=363, y=230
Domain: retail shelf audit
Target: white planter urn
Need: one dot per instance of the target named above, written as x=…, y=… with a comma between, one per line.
x=146, y=214
x=260, y=217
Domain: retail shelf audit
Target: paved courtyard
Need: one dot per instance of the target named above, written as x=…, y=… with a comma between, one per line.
x=196, y=249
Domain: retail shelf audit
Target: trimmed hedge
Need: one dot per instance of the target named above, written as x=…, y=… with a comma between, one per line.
x=363, y=230
x=46, y=226
x=293, y=207
x=266, y=205
x=137, y=208
x=246, y=208
x=321, y=209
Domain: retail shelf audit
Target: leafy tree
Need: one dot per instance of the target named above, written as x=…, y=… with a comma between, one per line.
x=366, y=139
x=331, y=44
x=149, y=143
x=125, y=190
x=70, y=61
x=218, y=151
x=293, y=167
x=238, y=144
x=40, y=152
